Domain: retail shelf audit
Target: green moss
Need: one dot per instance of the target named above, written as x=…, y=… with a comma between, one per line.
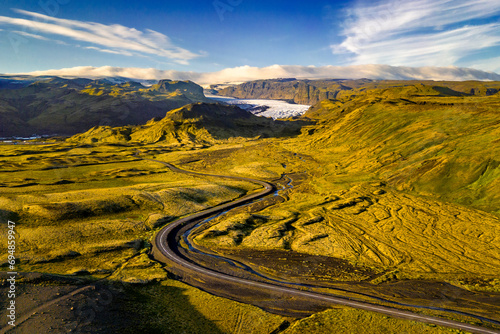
x=358, y=321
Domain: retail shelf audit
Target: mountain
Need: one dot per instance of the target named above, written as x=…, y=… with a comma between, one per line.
x=313, y=91
x=19, y=81
x=199, y=123
x=69, y=106
x=25, y=80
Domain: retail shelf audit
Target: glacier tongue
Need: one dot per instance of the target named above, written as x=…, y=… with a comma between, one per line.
x=266, y=108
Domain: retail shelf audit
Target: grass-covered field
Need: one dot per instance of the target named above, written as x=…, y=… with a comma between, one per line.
x=76, y=206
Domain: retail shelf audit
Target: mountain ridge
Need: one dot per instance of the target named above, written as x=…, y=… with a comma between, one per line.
x=313, y=91
x=69, y=106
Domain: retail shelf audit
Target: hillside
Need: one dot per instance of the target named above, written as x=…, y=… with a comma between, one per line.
x=200, y=123
x=313, y=91
x=405, y=185
x=68, y=106
x=446, y=148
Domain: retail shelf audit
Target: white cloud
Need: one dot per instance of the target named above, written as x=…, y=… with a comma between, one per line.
x=27, y=34
x=125, y=53
x=418, y=32
x=247, y=73
x=115, y=38
x=437, y=49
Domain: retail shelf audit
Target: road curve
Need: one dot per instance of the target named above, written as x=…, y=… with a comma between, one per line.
x=167, y=234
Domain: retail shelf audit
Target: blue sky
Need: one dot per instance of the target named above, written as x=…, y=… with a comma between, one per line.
x=210, y=36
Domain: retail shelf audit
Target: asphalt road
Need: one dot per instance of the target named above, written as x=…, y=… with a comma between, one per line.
x=167, y=235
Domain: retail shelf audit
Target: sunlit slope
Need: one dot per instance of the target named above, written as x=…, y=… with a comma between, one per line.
x=201, y=123
x=447, y=148
x=64, y=106
x=407, y=185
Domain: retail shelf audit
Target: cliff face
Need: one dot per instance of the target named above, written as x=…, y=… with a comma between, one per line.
x=313, y=91
x=296, y=91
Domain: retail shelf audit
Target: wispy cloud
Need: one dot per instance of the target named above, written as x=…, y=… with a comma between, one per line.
x=115, y=38
x=27, y=34
x=122, y=52
x=418, y=32
x=247, y=73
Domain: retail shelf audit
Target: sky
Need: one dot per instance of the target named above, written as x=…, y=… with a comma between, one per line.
x=230, y=37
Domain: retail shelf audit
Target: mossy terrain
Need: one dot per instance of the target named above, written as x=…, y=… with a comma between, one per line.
x=397, y=185
x=93, y=215
x=356, y=321
x=131, y=306
x=95, y=204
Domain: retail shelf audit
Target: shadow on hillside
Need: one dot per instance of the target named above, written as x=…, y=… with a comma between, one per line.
x=106, y=307
x=6, y=215
x=267, y=128
x=294, y=127
x=149, y=309
x=445, y=91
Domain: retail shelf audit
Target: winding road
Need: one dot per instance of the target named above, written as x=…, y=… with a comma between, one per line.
x=165, y=250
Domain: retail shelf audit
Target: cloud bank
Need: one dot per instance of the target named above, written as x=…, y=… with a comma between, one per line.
x=247, y=73
x=115, y=38
x=419, y=32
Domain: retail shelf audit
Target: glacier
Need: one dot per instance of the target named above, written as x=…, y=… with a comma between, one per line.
x=265, y=108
